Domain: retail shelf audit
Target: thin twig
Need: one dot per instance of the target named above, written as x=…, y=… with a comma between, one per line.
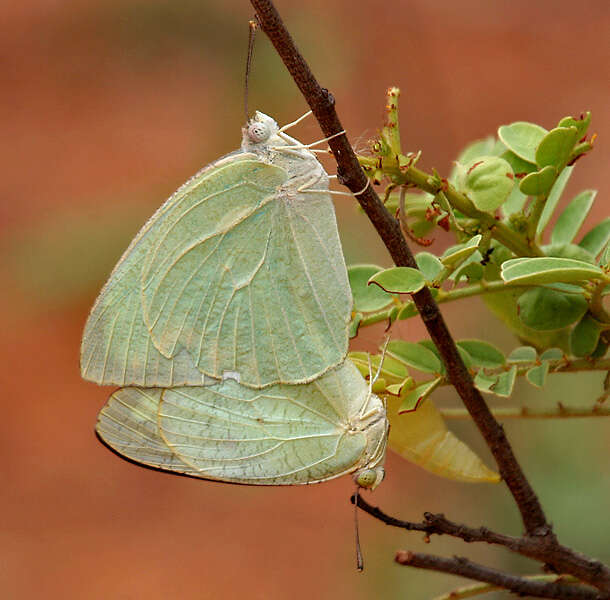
x=562, y=558
x=478, y=589
x=518, y=585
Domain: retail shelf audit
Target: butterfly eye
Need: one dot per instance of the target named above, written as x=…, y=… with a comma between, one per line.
x=258, y=132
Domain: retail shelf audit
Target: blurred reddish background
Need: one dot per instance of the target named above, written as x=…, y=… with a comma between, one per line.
x=107, y=107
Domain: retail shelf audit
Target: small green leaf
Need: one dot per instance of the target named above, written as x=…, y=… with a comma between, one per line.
x=538, y=183
x=414, y=355
x=552, y=354
x=392, y=369
x=568, y=250
x=537, y=375
x=547, y=310
x=585, y=336
x=596, y=239
x=414, y=398
x=515, y=202
x=484, y=382
x=429, y=345
x=474, y=150
x=429, y=265
x=482, y=353
x=581, y=124
x=367, y=298
x=457, y=254
x=572, y=218
x=518, y=165
x=354, y=325
x=556, y=146
x=471, y=271
x=466, y=358
x=522, y=138
x=407, y=311
x=540, y=270
x=554, y=196
x=487, y=181
x=401, y=389
x=522, y=354
x=600, y=351
x=506, y=381
x=399, y=280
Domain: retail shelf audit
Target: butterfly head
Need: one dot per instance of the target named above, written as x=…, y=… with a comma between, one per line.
x=259, y=130
x=369, y=478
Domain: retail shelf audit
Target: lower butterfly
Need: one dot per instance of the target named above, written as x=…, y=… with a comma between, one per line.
x=281, y=435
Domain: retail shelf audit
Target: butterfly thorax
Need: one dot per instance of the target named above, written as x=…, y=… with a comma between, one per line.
x=263, y=138
x=374, y=424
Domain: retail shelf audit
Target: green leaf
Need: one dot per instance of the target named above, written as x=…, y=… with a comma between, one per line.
x=429, y=345
x=556, y=146
x=392, y=369
x=522, y=138
x=429, y=265
x=354, y=325
x=540, y=270
x=596, y=239
x=568, y=250
x=537, y=375
x=484, y=382
x=552, y=354
x=600, y=351
x=547, y=310
x=506, y=381
x=518, y=165
x=471, y=271
x=407, y=311
x=538, y=183
x=399, y=280
x=572, y=218
x=488, y=182
x=515, y=201
x=474, y=150
x=522, y=354
x=581, y=124
x=554, y=196
x=482, y=353
x=457, y=254
x=367, y=298
x=401, y=389
x=466, y=358
x=585, y=336
x=414, y=398
x=415, y=355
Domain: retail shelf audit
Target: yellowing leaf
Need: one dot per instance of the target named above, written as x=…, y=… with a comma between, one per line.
x=423, y=438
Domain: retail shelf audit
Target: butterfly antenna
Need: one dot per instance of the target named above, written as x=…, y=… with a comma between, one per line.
x=253, y=26
x=359, y=559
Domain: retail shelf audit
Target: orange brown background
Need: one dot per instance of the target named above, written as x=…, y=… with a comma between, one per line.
x=107, y=106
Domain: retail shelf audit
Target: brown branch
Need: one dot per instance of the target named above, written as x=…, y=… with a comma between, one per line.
x=518, y=585
x=561, y=558
x=323, y=106
x=348, y=168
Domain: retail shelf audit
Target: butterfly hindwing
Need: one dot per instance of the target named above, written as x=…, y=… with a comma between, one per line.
x=128, y=424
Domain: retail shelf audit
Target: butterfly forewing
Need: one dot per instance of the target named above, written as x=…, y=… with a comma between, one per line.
x=117, y=347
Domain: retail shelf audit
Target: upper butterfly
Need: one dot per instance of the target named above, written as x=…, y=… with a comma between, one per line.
x=241, y=270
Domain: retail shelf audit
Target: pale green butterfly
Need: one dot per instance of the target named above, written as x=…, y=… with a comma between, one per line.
x=241, y=270
x=280, y=435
